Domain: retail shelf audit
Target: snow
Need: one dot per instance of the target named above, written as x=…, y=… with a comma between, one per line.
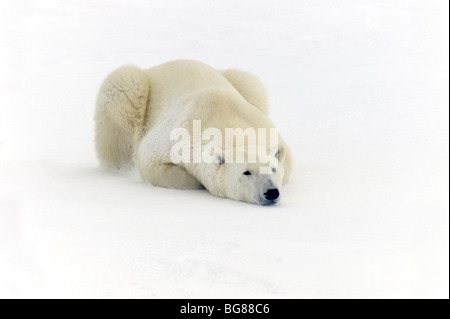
x=359, y=89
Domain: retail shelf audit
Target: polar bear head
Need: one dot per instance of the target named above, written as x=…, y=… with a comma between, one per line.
x=251, y=181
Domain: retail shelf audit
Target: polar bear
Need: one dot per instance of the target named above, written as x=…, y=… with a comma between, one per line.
x=138, y=110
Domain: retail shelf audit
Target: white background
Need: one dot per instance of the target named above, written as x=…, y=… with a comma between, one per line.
x=358, y=88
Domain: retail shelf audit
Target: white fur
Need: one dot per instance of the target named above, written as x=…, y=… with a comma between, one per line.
x=137, y=109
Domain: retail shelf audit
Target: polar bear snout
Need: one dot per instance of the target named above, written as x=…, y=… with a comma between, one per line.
x=272, y=194
x=270, y=197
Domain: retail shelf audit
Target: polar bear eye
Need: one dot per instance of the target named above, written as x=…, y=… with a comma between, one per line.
x=247, y=173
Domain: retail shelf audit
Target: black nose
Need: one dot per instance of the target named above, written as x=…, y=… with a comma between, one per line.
x=272, y=194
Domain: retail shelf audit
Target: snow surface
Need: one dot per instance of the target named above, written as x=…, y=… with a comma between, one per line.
x=358, y=88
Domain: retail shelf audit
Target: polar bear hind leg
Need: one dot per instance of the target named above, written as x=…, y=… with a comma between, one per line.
x=120, y=115
x=249, y=86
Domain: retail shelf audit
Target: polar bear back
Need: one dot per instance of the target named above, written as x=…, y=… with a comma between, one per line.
x=173, y=82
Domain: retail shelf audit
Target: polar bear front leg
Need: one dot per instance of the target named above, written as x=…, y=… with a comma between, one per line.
x=156, y=168
x=155, y=165
x=168, y=175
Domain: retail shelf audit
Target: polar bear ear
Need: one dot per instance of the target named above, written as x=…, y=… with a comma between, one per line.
x=280, y=154
x=220, y=159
